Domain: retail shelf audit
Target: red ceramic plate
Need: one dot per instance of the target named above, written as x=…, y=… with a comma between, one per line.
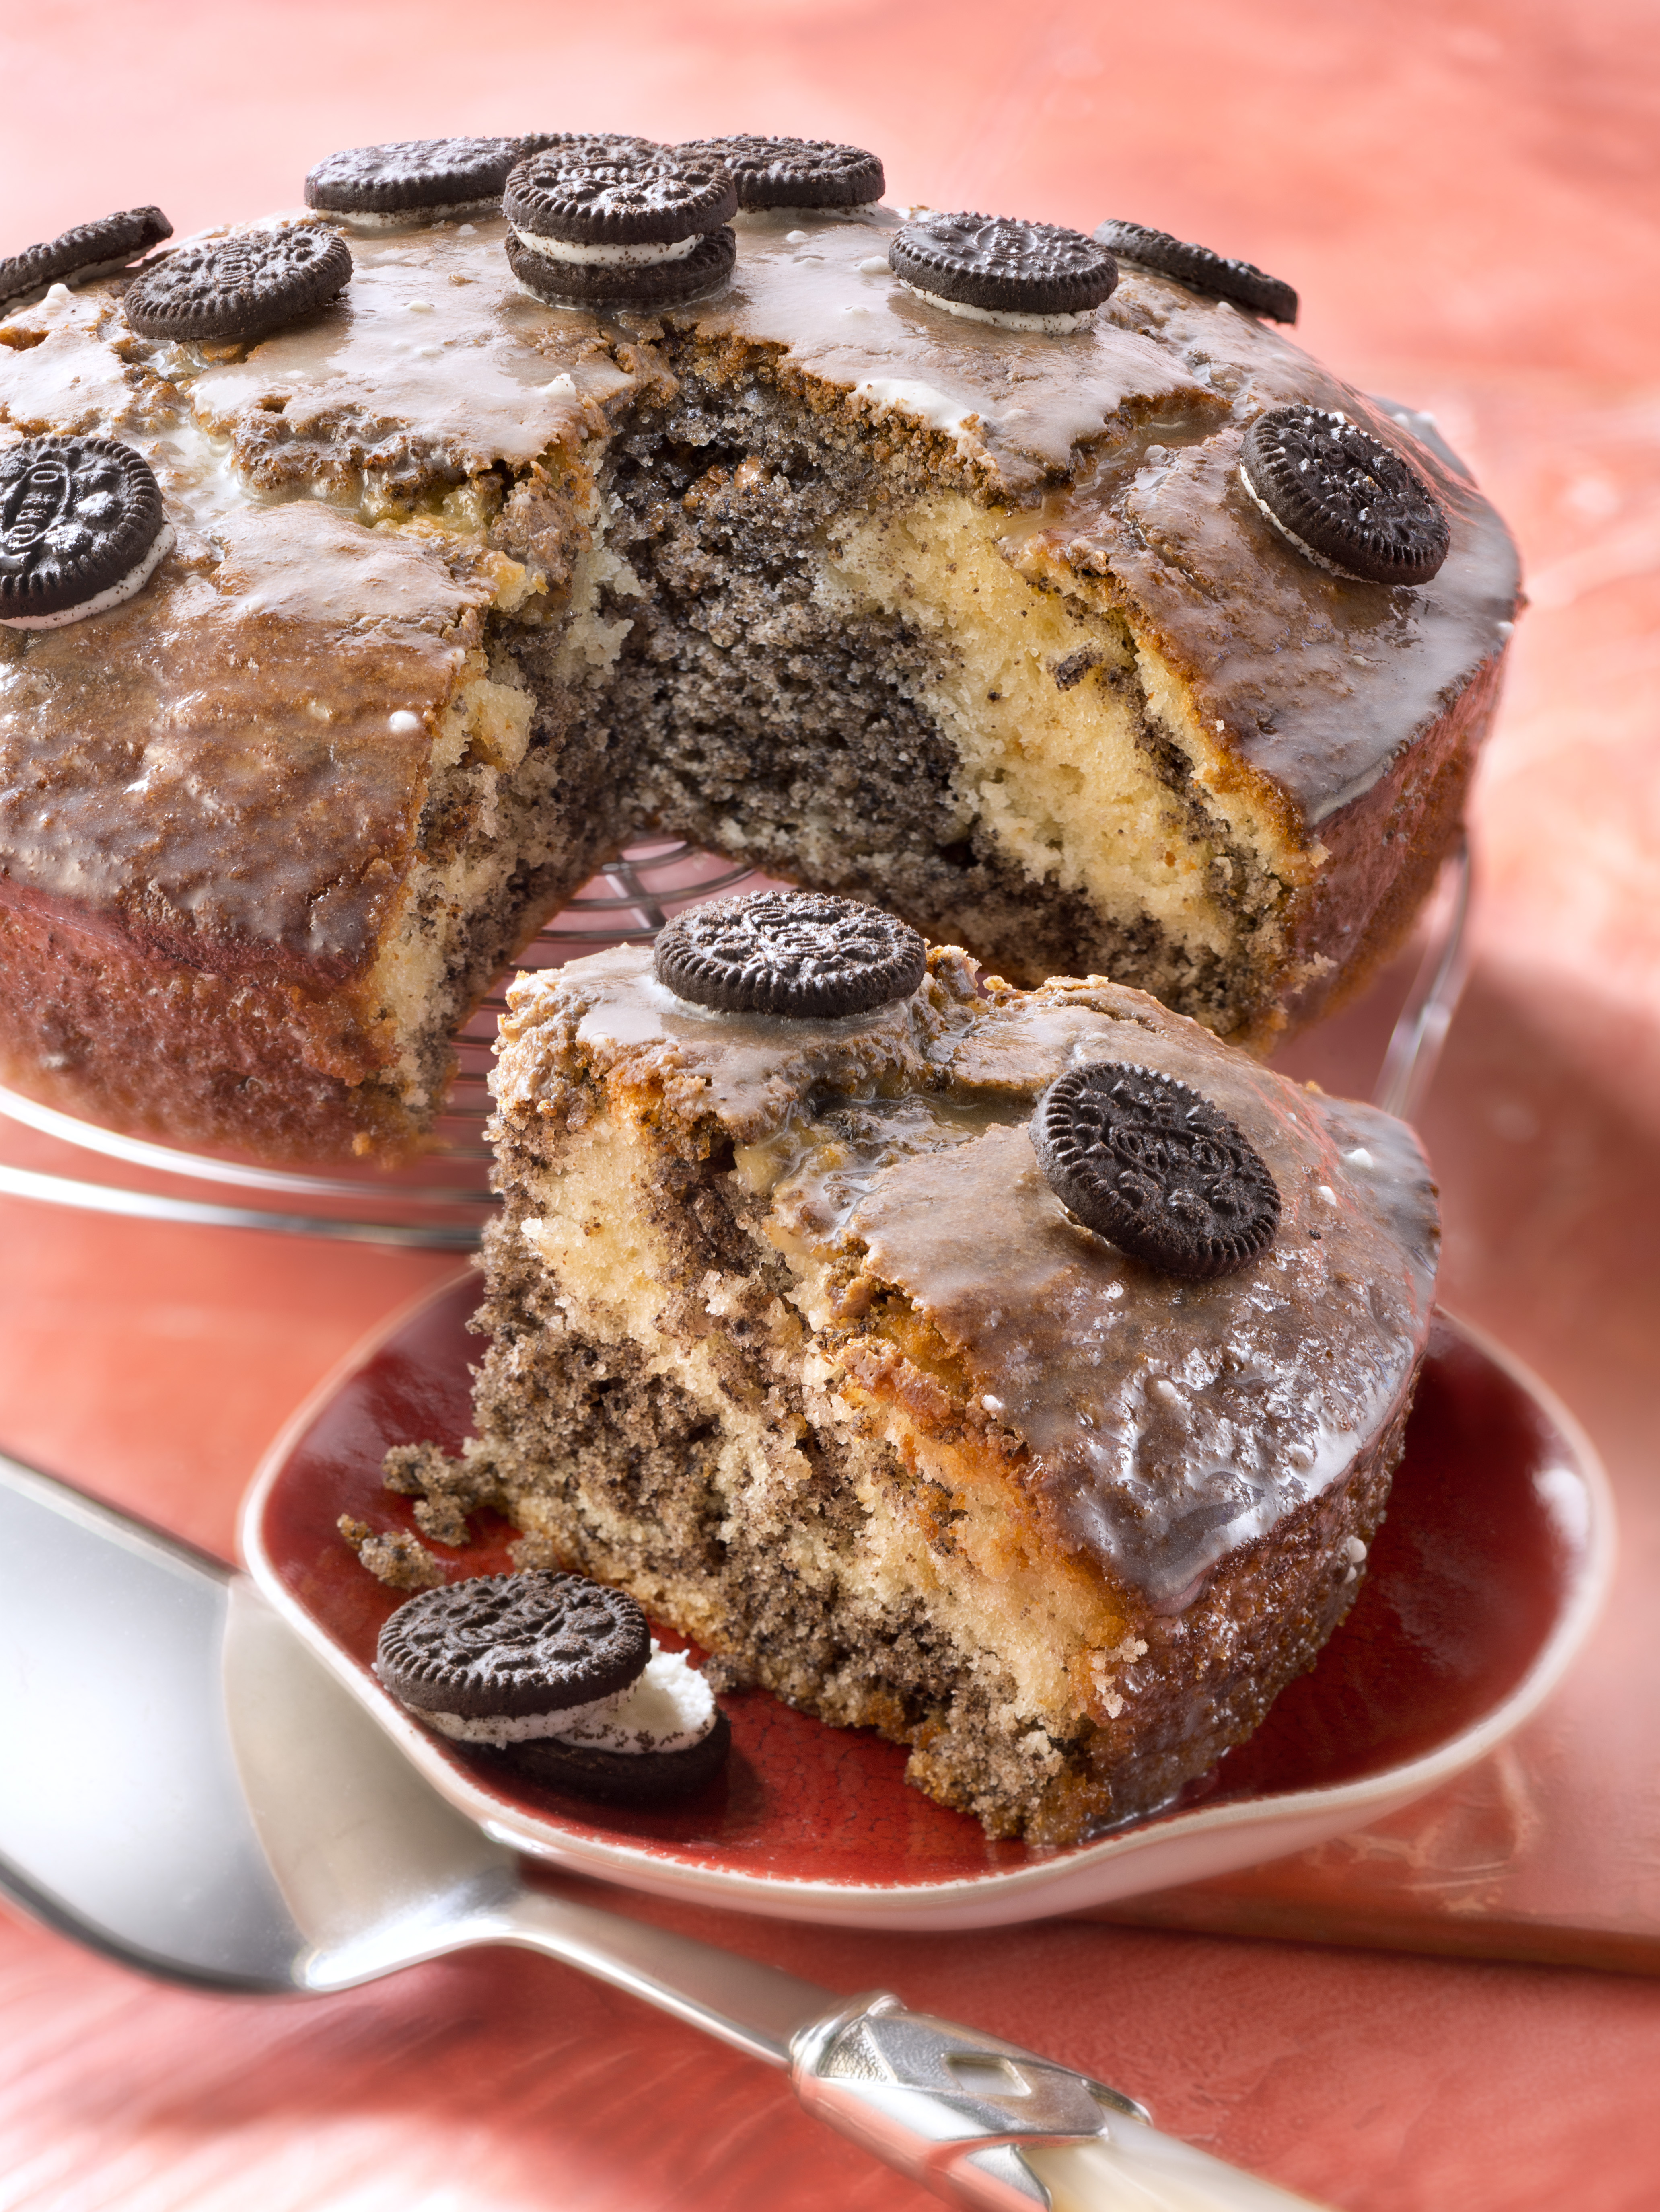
x=1482, y=1582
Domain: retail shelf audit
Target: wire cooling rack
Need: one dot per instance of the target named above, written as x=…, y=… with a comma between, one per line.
x=441, y=1200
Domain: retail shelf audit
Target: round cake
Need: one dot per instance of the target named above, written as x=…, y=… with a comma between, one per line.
x=917, y=559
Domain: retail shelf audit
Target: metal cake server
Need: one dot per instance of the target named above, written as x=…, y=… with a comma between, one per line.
x=184, y=1788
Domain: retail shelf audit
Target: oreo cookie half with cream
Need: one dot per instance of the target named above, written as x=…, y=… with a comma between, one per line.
x=241, y=287
x=431, y=178
x=81, y=529
x=89, y=250
x=993, y=268
x=792, y=173
x=559, y=1675
x=1198, y=269
x=624, y=233
x=1344, y=499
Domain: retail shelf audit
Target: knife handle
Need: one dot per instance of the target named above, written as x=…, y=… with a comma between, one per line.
x=1134, y=2168
x=987, y=2125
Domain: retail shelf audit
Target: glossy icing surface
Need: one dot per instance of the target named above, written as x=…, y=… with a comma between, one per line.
x=1167, y=1423
x=239, y=764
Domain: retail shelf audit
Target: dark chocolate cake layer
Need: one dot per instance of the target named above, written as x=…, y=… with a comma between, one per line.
x=978, y=622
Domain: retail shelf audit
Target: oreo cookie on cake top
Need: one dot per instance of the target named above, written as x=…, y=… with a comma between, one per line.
x=78, y=255
x=1157, y=1169
x=81, y=529
x=1198, y=269
x=1344, y=499
x=620, y=232
x=431, y=178
x=792, y=173
x=240, y=287
x=559, y=1676
x=801, y=955
x=993, y=268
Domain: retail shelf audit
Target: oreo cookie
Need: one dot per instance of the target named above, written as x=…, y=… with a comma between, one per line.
x=512, y=1647
x=622, y=233
x=653, y=1777
x=1028, y=275
x=792, y=173
x=803, y=955
x=558, y=1677
x=91, y=249
x=558, y=281
x=1198, y=269
x=1344, y=499
x=240, y=287
x=81, y=528
x=413, y=177
x=1156, y=1169
x=601, y=203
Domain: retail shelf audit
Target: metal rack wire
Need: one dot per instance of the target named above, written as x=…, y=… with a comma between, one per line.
x=441, y=1200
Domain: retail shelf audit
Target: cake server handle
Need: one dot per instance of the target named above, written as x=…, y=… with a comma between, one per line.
x=988, y=2125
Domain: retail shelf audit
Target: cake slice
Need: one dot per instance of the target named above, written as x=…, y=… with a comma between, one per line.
x=793, y=1339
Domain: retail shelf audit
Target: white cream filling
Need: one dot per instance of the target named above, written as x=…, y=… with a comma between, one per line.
x=1004, y=318
x=608, y=256
x=112, y=596
x=667, y=1707
x=404, y=218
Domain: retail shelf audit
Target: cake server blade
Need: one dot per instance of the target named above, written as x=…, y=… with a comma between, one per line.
x=184, y=1788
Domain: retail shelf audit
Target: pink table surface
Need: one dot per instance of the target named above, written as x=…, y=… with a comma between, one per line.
x=1465, y=196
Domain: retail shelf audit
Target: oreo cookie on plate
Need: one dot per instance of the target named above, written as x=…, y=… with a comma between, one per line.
x=1344, y=499
x=89, y=250
x=558, y=1676
x=1156, y=1169
x=1198, y=269
x=240, y=287
x=81, y=528
x=411, y=178
x=803, y=955
x=993, y=268
x=619, y=232
x=792, y=173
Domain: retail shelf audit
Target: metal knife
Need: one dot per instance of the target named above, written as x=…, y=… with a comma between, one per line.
x=231, y=1817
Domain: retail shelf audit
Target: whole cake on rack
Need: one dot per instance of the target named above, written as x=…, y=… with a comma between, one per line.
x=948, y=563
x=1019, y=1373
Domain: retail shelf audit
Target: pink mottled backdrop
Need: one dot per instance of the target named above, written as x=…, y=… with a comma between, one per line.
x=1465, y=194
